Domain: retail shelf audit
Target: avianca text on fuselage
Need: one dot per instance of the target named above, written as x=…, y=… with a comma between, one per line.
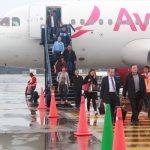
x=123, y=13
x=123, y=17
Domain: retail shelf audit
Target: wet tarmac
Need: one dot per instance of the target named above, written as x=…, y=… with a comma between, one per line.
x=24, y=127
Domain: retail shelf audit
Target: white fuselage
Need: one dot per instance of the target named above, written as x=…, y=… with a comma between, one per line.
x=114, y=33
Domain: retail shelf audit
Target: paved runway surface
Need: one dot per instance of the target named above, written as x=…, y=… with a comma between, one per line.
x=25, y=127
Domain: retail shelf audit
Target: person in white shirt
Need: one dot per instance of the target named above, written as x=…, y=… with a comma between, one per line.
x=110, y=91
x=52, y=24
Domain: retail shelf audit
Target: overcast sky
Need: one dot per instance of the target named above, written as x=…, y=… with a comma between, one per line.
x=6, y=5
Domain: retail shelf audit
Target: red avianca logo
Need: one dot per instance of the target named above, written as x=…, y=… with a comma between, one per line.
x=93, y=17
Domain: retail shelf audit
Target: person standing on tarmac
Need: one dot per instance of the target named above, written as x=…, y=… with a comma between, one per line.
x=32, y=84
x=146, y=75
x=135, y=86
x=92, y=81
x=109, y=92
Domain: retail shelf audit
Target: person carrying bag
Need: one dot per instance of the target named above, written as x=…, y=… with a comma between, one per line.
x=90, y=80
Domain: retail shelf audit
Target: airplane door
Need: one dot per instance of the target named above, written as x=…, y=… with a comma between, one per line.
x=37, y=18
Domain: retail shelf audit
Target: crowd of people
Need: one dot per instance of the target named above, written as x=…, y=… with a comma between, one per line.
x=136, y=88
x=64, y=57
x=136, y=85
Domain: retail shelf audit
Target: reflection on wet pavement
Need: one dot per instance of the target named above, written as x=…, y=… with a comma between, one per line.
x=24, y=127
x=47, y=141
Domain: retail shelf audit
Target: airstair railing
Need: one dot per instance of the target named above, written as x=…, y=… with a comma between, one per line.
x=48, y=73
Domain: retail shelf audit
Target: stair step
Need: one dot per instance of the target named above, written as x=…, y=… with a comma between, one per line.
x=69, y=98
x=64, y=106
x=50, y=53
x=70, y=92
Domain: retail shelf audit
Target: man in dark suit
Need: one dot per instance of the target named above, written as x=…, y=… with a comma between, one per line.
x=135, y=86
x=110, y=91
x=77, y=82
x=52, y=24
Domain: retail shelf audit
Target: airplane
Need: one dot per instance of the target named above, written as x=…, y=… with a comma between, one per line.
x=107, y=33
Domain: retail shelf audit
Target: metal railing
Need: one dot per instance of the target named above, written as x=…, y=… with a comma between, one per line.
x=48, y=73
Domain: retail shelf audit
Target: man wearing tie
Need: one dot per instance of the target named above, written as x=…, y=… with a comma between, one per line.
x=110, y=91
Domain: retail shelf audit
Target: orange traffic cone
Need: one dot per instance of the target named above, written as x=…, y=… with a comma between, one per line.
x=53, y=111
x=83, y=142
x=42, y=115
x=42, y=102
x=119, y=132
x=82, y=125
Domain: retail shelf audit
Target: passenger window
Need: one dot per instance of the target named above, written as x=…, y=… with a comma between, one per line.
x=137, y=22
x=15, y=21
x=91, y=22
x=73, y=21
x=82, y=21
x=128, y=22
x=101, y=22
x=110, y=22
x=119, y=22
x=5, y=21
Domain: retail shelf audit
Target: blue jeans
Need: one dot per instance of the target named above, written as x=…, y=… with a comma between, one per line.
x=51, y=31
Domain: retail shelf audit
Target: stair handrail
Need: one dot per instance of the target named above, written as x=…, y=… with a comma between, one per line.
x=48, y=73
x=71, y=26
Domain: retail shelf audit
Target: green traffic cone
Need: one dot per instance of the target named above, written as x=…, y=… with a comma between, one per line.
x=107, y=137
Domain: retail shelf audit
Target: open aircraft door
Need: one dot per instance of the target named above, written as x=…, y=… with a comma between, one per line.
x=37, y=18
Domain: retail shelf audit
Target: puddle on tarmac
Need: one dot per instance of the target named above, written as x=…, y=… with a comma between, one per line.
x=47, y=141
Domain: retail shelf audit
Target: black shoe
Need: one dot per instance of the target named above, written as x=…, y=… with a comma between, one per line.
x=77, y=108
x=36, y=104
x=135, y=122
x=131, y=119
x=95, y=123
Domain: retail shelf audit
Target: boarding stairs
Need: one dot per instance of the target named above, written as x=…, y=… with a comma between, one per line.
x=50, y=75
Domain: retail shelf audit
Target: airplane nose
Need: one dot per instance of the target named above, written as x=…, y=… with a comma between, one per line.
x=136, y=52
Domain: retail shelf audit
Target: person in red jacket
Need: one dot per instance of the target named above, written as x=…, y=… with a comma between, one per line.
x=31, y=85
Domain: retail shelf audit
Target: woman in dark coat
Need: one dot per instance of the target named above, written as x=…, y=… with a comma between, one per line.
x=92, y=80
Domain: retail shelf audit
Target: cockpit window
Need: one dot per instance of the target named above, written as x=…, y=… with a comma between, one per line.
x=5, y=21
x=15, y=21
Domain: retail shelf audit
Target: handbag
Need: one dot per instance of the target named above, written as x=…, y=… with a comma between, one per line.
x=101, y=108
x=85, y=87
x=93, y=88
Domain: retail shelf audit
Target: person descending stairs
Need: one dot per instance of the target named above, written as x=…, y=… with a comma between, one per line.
x=57, y=62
